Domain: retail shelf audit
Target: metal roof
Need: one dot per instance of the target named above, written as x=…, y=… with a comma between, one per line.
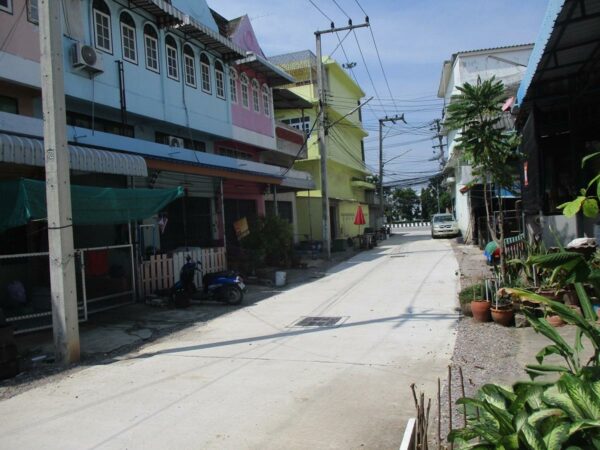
x=169, y=16
x=568, y=46
x=30, y=152
x=295, y=59
x=275, y=76
x=286, y=99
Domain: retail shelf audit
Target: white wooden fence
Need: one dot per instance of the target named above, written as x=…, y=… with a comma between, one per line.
x=162, y=271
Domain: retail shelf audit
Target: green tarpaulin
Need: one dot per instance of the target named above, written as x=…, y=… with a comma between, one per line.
x=24, y=200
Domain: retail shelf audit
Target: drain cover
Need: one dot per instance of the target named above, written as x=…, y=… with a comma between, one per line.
x=317, y=321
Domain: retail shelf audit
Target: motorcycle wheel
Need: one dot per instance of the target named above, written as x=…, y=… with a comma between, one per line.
x=232, y=295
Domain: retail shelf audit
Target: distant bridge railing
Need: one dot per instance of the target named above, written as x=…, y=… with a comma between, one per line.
x=415, y=224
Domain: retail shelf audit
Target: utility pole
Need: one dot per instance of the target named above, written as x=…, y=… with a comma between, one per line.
x=438, y=130
x=61, y=254
x=381, y=123
x=323, y=133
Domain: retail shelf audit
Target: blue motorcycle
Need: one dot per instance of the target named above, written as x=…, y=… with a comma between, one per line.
x=227, y=286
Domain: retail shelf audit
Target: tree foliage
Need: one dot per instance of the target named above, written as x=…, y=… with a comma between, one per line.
x=477, y=111
x=405, y=204
x=429, y=199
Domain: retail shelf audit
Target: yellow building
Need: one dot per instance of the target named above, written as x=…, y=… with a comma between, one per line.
x=346, y=169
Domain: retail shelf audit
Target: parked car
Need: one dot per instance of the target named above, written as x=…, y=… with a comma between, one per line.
x=444, y=225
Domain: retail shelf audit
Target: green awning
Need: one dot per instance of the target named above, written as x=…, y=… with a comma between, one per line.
x=24, y=200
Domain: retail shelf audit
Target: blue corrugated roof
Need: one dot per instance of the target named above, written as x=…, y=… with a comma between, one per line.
x=552, y=13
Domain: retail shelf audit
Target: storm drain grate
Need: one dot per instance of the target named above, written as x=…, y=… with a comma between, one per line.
x=316, y=321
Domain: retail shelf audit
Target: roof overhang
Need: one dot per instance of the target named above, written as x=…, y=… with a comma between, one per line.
x=275, y=75
x=29, y=151
x=169, y=16
x=566, y=55
x=286, y=99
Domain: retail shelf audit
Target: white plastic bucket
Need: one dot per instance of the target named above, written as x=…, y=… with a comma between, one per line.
x=280, y=278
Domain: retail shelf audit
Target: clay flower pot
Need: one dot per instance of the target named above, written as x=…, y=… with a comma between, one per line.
x=503, y=316
x=555, y=321
x=481, y=310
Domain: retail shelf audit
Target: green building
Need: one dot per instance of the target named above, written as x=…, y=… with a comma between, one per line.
x=346, y=169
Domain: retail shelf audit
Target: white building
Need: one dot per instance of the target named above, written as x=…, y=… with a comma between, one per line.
x=507, y=64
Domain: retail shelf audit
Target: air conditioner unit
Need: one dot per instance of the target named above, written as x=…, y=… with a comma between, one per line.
x=175, y=141
x=86, y=57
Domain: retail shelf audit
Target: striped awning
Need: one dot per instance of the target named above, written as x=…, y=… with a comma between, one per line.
x=30, y=152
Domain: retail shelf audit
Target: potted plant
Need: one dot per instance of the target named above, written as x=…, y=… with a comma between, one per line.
x=502, y=309
x=465, y=297
x=480, y=306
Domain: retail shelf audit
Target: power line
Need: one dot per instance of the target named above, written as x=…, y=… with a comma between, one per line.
x=321, y=11
x=340, y=8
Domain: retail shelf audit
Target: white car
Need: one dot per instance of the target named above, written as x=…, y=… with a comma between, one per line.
x=444, y=225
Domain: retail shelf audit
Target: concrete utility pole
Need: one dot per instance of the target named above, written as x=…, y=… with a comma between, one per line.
x=381, y=123
x=61, y=257
x=438, y=130
x=322, y=132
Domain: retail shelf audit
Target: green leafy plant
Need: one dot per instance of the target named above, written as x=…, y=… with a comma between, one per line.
x=587, y=200
x=471, y=293
x=270, y=242
x=564, y=413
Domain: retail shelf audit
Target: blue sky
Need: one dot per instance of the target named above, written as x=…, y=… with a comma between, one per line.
x=413, y=37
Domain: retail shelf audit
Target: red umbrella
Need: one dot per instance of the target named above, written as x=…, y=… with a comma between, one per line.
x=359, y=218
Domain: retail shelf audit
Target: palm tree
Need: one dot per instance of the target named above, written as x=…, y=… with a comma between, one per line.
x=476, y=111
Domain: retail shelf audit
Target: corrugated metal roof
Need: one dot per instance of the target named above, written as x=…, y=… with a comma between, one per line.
x=303, y=56
x=490, y=49
x=30, y=152
x=568, y=44
x=275, y=76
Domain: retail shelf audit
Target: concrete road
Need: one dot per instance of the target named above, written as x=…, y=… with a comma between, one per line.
x=253, y=379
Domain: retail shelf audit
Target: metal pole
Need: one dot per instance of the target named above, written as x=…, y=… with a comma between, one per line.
x=58, y=187
x=323, y=150
x=381, y=202
x=275, y=206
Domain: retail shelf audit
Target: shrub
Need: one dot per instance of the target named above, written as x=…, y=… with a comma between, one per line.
x=270, y=242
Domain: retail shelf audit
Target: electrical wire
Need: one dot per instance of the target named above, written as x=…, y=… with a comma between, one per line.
x=321, y=11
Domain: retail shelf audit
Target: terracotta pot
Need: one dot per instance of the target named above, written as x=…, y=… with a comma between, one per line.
x=481, y=310
x=555, y=321
x=552, y=294
x=503, y=316
x=570, y=297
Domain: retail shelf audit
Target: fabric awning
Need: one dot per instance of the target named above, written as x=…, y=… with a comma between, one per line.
x=30, y=151
x=25, y=200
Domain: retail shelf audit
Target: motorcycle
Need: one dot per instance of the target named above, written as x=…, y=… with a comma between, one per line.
x=227, y=286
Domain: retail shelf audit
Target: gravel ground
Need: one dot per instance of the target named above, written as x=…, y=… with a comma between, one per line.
x=485, y=352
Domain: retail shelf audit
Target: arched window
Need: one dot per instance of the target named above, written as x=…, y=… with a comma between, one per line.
x=205, y=72
x=233, y=93
x=102, y=26
x=151, y=46
x=255, y=94
x=220, y=79
x=128, y=38
x=189, y=63
x=266, y=100
x=172, y=59
x=245, y=97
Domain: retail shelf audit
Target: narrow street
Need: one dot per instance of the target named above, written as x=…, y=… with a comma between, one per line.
x=254, y=379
